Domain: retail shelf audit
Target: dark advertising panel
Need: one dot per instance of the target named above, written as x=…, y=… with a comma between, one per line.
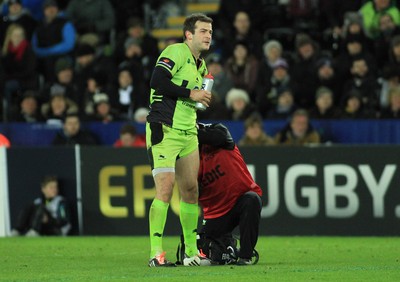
x=307, y=190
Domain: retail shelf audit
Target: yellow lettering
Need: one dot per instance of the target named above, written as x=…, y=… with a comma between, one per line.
x=107, y=191
x=141, y=193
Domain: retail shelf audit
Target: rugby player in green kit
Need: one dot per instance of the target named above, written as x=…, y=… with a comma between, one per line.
x=171, y=136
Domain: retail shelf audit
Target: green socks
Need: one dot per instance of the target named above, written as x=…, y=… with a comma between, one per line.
x=157, y=219
x=189, y=214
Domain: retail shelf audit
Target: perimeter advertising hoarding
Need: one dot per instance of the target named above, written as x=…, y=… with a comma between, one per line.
x=307, y=191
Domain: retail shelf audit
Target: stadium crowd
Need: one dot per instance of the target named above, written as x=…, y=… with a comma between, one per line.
x=330, y=59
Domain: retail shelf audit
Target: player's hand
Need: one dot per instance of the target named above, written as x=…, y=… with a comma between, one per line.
x=202, y=96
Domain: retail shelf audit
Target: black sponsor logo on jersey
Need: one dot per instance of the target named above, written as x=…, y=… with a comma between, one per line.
x=213, y=175
x=166, y=62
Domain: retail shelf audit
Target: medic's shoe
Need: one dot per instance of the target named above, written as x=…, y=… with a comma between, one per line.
x=160, y=261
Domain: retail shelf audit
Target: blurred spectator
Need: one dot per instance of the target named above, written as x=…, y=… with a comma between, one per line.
x=140, y=115
x=92, y=18
x=390, y=79
x=17, y=14
x=371, y=12
x=267, y=95
x=353, y=108
x=222, y=82
x=146, y=49
x=128, y=137
x=125, y=9
x=285, y=105
x=72, y=133
x=324, y=107
x=302, y=72
x=355, y=48
x=102, y=109
x=47, y=215
x=18, y=62
x=96, y=85
x=55, y=111
x=394, y=52
x=393, y=110
x=53, y=38
x=298, y=131
x=272, y=53
x=239, y=104
x=129, y=95
x=334, y=10
x=87, y=63
x=327, y=76
x=254, y=133
x=243, y=31
x=242, y=68
x=64, y=81
x=387, y=30
x=4, y=142
x=365, y=82
x=29, y=110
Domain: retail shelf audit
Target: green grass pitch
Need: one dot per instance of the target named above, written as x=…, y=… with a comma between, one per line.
x=125, y=259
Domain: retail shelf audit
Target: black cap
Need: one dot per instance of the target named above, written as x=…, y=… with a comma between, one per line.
x=48, y=3
x=10, y=2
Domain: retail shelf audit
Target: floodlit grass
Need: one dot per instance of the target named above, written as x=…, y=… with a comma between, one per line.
x=125, y=259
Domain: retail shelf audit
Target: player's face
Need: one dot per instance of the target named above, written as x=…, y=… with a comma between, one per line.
x=202, y=36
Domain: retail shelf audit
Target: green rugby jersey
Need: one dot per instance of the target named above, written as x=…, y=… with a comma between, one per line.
x=177, y=112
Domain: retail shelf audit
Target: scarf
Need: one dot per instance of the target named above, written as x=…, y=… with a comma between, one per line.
x=19, y=50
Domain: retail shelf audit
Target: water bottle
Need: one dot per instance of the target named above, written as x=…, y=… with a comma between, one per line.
x=207, y=84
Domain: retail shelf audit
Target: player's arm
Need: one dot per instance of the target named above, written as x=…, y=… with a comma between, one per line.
x=162, y=83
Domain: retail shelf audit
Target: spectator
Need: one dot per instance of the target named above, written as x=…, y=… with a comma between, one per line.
x=64, y=80
x=18, y=62
x=96, y=84
x=272, y=53
x=243, y=32
x=222, y=82
x=92, y=18
x=87, y=63
x=353, y=106
x=57, y=108
x=126, y=9
x=390, y=79
x=128, y=137
x=267, y=95
x=394, y=52
x=324, y=107
x=140, y=115
x=285, y=105
x=102, y=109
x=387, y=30
x=242, y=68
x=298, y=131
x=72, y=133
x=371, y=12
x=254, y=133
x=147, y=47
x=129, y=95
x=393, y=110
x=327, y=76
x=365, y=82
x=29, y=110
x=239, y=104
x=17, y=14
x=302, y=72
x=53, y=38
x=47, y=215
x=355, y=48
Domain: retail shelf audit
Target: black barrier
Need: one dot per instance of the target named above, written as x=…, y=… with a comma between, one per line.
x=349, y=190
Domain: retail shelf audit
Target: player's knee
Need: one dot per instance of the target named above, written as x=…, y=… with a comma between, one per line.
x=252, y=201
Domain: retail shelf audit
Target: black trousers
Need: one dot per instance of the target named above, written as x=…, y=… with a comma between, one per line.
x=246, y=215
x=32, y=218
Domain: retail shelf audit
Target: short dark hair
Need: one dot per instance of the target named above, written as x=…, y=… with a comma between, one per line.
x=72, y=114
x=190, y=22
x=47, y=179
x=127, y=128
